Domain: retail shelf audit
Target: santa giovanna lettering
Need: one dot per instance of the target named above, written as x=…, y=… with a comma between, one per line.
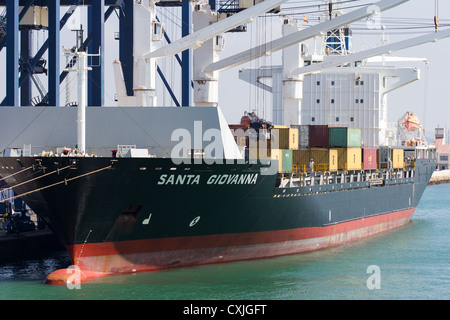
x=191, y=179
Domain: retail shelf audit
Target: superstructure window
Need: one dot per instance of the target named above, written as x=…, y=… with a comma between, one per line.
x=318, y=100
x=318, y=83
x=337, y=119
x=313, y=119
x=332, y=100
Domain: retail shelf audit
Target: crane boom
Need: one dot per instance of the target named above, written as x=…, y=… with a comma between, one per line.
x=333, y=62
x=197, y=38
x=296, y=37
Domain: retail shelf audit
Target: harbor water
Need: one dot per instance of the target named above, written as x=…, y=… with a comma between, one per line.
x=412, y=262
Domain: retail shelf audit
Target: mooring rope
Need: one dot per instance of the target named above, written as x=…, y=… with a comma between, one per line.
x=56, y=183
x=12, y=175
x=47, y=174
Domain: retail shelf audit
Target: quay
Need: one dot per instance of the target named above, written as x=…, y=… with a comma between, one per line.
x=25, y=244
x=438, y=177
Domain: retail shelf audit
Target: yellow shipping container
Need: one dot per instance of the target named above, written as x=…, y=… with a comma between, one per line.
x=293, y=139
x=333, y=158
x=287, y=137
x=349, y=159
x=324, y=159
x=299, y=157
x=397, y=157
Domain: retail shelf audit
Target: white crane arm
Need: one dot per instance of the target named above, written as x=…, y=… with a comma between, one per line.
x=198, y=38
x=386, y=49
x=296, y=37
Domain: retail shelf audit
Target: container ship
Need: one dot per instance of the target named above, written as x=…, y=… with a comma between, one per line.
x=140, y=188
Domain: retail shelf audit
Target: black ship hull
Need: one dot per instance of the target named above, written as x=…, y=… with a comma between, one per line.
x=122, y=215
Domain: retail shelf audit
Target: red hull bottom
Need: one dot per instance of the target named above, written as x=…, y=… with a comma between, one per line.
x=110, y=258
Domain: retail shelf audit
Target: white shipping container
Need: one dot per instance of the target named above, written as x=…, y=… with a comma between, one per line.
x=303, y=136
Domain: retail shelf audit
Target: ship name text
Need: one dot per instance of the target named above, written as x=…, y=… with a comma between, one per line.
x=181, y=179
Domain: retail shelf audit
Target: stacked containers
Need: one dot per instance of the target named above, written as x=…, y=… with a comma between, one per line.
x=331, y=148
x=342, y=137
x=288, y=140
x=287, y=137
x=348, y=142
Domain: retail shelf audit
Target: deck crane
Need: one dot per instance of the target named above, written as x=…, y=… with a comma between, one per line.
x=206, y=63
x=302, y=35
x=290, y=43
x=197, y=38
x=206, y=84
x=145, y=53
x=386, y=49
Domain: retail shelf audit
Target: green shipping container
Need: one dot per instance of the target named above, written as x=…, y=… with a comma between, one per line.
x=286, y=166
x=284, y=158
x=342, y=137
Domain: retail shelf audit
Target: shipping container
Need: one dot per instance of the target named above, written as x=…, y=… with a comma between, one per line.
x=300, y=158
x=333, y=160
x=260, y=149
x=397, y=158
x=318, y=136
x=349, y=159
x=337, y=137
x=324, y=159
x=369, y=159
x=354, y=138
x=284, y=157
x=287, y=137
x=343, y=137
x=303, y=136
x=383, y=157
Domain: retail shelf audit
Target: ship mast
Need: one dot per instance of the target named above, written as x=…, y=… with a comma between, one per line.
x=336, y=41
x=80, y=57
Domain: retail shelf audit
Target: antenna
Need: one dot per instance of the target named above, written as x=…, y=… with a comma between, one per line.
x=330, y=9
x=436, y=18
